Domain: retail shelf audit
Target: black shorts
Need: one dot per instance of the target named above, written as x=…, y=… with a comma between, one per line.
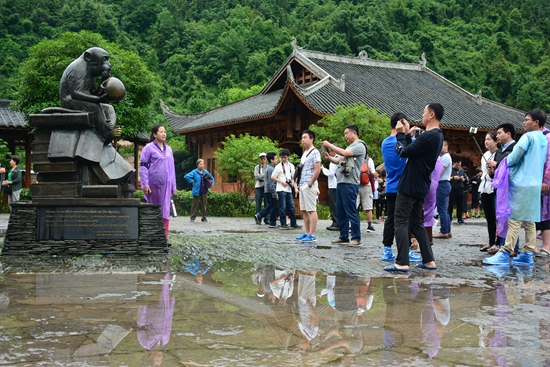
x=543, y=226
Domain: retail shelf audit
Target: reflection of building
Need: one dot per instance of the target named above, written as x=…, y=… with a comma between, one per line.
x=309, y=85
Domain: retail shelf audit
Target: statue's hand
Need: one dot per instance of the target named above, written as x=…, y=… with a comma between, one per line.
x=117, y=131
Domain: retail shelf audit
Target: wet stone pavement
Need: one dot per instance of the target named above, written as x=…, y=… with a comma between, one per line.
x=232, y=293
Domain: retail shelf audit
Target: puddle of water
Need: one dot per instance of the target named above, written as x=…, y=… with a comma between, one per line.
x=237, y=314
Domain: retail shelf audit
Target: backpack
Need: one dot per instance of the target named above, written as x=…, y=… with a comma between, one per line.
x=364, y=177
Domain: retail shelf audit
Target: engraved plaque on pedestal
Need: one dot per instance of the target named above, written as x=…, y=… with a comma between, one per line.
x=87, y=223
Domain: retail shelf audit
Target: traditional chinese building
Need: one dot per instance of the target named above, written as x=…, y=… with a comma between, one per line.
x=310, y=84
x=15, y=132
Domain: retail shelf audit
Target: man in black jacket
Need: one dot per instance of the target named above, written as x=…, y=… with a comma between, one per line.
x=414, y=185
x=505, y=138
x=458, y=177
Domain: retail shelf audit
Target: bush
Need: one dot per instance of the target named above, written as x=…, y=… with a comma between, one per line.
x=227, y=204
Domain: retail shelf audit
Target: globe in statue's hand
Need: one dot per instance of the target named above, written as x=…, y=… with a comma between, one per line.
x=113, y=90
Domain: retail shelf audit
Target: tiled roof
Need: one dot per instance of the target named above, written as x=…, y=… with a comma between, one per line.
x=387, y=86
x=8, y=117
x=258, y=106
x=392, y=87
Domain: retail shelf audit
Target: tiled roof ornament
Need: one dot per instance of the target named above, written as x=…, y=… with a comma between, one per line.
x=289, y=74
x=294, y=45
x=363, y=55
x=422, y=61
x=478, y=96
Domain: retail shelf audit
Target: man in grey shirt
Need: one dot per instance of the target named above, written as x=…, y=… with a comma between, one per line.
x=348, y=184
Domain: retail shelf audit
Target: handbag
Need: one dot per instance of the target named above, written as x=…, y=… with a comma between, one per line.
x=8, y=189
x=208, y=181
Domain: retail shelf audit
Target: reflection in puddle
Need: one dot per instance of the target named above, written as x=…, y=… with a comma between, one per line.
x=230, y=313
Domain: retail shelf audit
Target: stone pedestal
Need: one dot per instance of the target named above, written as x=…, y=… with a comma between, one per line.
x=83, y=202
x=73, y=227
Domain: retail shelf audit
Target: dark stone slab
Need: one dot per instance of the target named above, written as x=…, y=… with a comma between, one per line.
x=21, y=235
x=101, y=191
x=55, y=189
x=56, y=167
x=86, y=223
x=75, y=120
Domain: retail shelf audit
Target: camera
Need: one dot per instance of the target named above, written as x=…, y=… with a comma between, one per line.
x=289, y=183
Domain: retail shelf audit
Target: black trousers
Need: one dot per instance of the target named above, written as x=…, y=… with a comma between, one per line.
x=389, y=232
x=456, y=196
x=332, y=206
x=489, y=207
x=409, y=213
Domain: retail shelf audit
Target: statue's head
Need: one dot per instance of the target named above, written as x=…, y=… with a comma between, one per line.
x=98, y=61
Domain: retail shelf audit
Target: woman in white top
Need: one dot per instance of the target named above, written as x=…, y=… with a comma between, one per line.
x=487, y=192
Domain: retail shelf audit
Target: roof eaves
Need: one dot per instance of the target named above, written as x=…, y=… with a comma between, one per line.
x=263, y=115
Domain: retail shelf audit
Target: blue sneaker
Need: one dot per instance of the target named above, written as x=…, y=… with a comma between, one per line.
x=524, y=259
x=500, y=258
x=309, y=238
x=387, y=254
x=414, y=257
x=301, y=237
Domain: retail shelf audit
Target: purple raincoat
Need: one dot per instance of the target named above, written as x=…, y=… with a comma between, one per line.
x=159, y=174
x=429, y=201
x=501, y=182
x=545, y=201
x=155, y=322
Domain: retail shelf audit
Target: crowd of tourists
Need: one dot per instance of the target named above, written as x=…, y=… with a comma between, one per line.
x=419, y=184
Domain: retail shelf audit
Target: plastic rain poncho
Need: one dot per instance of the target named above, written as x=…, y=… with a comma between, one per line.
x=545, y=202
x=159, y=174
x=430, y=200
x=526, y=164
x=501, y=182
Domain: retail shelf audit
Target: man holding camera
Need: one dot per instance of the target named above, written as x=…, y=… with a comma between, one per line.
x=283, y=174
x=421, y=154
x=347, y=187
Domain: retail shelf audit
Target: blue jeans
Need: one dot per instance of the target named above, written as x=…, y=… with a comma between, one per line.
x=285, y=201
x=442, y=203
x=269, y=202
x=346, y=211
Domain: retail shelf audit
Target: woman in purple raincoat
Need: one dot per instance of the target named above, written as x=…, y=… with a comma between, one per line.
x=158, y=173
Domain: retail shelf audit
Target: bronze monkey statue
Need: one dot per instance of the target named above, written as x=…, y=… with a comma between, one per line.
x=78, y=90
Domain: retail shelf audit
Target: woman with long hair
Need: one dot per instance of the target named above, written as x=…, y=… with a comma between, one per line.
x=158, y=173
x=200, y=178
x=487, y=192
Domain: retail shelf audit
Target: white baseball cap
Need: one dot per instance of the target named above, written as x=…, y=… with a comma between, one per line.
x=262, y=155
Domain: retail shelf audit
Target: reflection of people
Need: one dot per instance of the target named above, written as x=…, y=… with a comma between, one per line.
x=197, y=177
x=309, y=319
x=158, y=174
x=198, y=269
x=155, y=323
x=283, y=285
x=15, y=179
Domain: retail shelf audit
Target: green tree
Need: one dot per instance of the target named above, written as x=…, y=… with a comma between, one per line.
x=236, y=159
x=38, y=79
x=373, y=127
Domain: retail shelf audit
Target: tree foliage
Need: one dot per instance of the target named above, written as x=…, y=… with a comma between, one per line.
x=202, y=49
x=39, y=76
x=236, y=158
x=373, y=127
